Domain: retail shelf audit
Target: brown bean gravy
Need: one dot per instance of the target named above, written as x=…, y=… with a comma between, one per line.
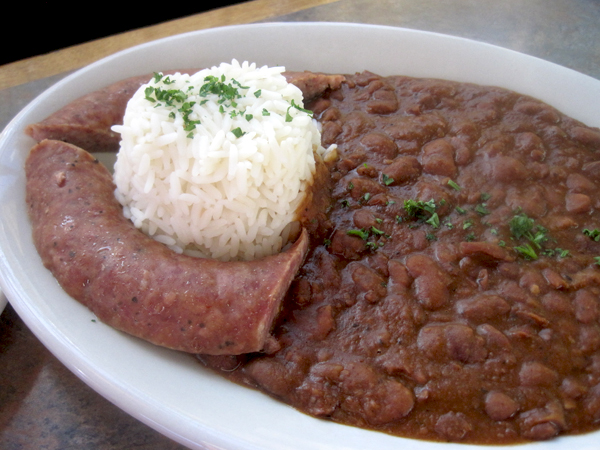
x=452, y=292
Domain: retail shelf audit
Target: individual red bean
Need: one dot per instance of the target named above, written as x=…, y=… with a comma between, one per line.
x=578, y=203
x=483, y=308
x=500, y=406
x=534, y=374
x=578, y=183
x=438, y=158
x=402, y=170
x=453, y=426
x=381, y=144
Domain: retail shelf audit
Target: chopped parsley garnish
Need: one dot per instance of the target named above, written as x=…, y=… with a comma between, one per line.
x=227, y=93
x=376, y=231
x=527, y=251
x=453, y=185
x=467, y=224
x=485, y=196
x=460, y=210
x=386, y=180
x=522, y=226
x=365, y=234
x=289, y=118
x=592, y=234
x=470, y=237
x=360, y=233
x=434, y=220
x=597, y=259
x=482, y=209
x=414, y=208
x=425, y=211
x=559, y=252
x=237, y=132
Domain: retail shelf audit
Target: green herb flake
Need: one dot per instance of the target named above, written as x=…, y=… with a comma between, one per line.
x=485, y=196
x=597, y=259
x=386, y=179
x=360, y=233
x=470, y=237
x=526, y=251
x=481, y=209
x=460, y=210
x=288, y=116
x=592, y=234
x=434, y=220
x=237, y=132
x=265, y=112
x=522, y=226
x=147, y=94
x=453, y=185
x=376, y=231
x=563, y=253
x=257, y=93
x=415, y=207
x=467, y=224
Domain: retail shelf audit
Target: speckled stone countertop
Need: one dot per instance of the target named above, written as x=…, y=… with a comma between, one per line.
x=44, y=406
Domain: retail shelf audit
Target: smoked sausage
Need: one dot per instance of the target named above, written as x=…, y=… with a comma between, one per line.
x=136, y=284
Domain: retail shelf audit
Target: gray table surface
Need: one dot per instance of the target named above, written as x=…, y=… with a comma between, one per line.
x=566, y=32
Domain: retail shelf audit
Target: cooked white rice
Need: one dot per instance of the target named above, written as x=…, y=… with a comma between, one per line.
x=207, y=192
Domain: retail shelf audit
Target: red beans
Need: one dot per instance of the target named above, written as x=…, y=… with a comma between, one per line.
x=436, y=318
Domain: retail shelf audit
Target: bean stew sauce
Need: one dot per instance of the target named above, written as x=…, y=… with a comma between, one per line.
x=452, y=292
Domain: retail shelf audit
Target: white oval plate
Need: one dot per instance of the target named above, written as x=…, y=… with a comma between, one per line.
x=169, y=391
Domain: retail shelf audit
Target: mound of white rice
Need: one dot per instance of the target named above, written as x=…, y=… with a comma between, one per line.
x=215, y=164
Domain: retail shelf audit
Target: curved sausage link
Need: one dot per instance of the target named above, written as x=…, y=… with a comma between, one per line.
x=87, y=121
x=136, y=284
